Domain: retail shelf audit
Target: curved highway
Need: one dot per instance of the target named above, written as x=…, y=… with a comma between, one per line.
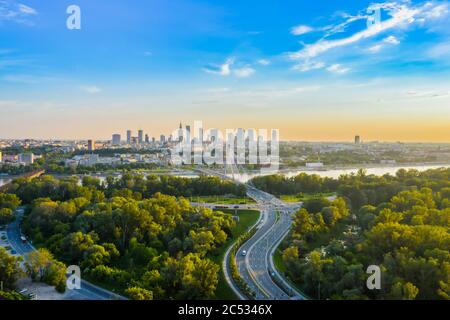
x=256, y=266
x=254, y=258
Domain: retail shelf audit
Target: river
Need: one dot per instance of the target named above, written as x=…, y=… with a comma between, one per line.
x=331, y=173
x=335, y=173
x=4, y=181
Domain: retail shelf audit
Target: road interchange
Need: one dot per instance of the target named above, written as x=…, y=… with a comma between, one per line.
x=256, y=266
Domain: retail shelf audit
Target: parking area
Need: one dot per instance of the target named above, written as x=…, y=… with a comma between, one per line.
x=4, y=242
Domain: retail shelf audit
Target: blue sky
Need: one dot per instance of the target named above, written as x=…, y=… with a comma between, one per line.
x=312, y=69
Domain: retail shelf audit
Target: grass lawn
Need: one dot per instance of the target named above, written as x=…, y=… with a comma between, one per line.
x=305, y=196
x=247, y=218
x=222, y=200
x=278, y=261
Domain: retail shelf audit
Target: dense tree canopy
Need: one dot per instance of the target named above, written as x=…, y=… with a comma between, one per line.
x=150, y=246
x=9, y=269
x=407, y=235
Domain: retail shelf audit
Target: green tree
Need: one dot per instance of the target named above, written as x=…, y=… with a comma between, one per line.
x=6, y=216
x=10, y=270
x=42, y=266
x=137, y=293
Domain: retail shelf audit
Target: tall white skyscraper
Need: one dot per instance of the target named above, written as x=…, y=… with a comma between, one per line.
x=188, y=134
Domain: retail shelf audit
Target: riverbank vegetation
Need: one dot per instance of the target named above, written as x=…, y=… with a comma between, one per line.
x=127, y=236
x=400, y=223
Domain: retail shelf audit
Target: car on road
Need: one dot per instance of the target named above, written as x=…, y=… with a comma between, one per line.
x=13, y=251
x=244, y=253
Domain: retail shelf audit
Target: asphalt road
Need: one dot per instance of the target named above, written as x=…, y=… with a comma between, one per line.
x=256, y=266
x=87, y=291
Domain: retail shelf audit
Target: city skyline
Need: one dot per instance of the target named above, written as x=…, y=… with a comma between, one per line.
x=316, y=72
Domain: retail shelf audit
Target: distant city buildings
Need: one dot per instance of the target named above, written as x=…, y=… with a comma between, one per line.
x=128, y=136
x=140, y=136
x=91, y=145
x=26, y=158
x=188, y=134
x=118, y=159
x=180, y=133
x=116, y=139
x=314, y=164
x=357, y=139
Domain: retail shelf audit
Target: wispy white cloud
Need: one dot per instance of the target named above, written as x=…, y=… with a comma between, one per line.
x=26, y=9
x=441, y=50
x=435, y=11
x=426, y=94
x=338, y=68
x=91, y=89
x=244, y=72
x=301, y=29
x=216, y=90
x=223, y=69
x=228, y=69
x=263, y=62
x=11, y=10
x=391, y=40
x=12, y=62
x=376, y=48
x=26, y=78
x=401, y=15
x=309, y=65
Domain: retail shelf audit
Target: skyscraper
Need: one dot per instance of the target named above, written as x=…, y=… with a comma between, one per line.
x=128, y=136
x=180, y=133
x=200, y=135
x=26, y=158
x=91, y=145
x=147, y=139
x=357, y=140
x=188, y=134
x=251, y=135
x=140, y=136
x=162, y=138
x=116, y=139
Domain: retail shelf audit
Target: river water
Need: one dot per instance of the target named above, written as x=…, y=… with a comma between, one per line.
x=335, y=173
x=4, y=181
x=332, y=173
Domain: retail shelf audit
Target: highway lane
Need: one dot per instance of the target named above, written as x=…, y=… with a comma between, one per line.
x=261, y=246
x=88, y=291
x=256, y=267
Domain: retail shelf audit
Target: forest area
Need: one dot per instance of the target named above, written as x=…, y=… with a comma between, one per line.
x=400, y=223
